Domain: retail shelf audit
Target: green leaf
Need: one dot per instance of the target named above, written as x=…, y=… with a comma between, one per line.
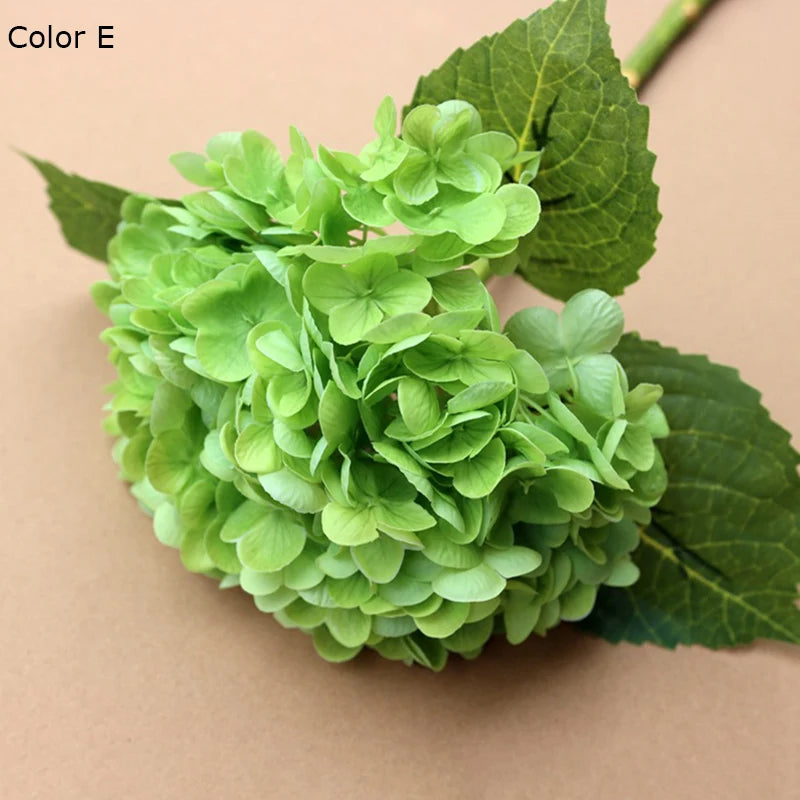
x=720, y=561
x=552, y=82
x=88, y=211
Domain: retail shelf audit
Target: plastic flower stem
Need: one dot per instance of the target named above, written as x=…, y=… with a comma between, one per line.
x=677, y=18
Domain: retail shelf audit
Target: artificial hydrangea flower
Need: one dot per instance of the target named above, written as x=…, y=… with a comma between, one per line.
x=331, y=418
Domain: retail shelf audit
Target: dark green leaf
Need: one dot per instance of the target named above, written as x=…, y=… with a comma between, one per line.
x=720, y=561
x=88, y=211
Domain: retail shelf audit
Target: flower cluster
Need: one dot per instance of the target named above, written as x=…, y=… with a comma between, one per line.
x=330, y=417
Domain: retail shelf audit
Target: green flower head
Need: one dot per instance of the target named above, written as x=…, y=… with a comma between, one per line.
x=330, y=416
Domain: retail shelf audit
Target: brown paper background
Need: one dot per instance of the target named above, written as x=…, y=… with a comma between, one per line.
x=122, y=676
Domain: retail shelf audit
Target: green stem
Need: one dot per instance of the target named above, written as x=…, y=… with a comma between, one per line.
x=673, y=23
x=482, y=268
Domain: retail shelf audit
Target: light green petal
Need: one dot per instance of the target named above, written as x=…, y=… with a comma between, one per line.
x=349, y=526
x=513, y=561
x=522, y=210
x=537, y=330
x=404, y=591
x=399, y=327
x=520, y=616
x=385, y=121
x=415, y=179
x=478, y=396
x=167, y=525
x=470, y=585
x=408, y=516
x=531, y=377
x=257, y=172
x=365, y=205
x=419, y=127
x=350, y=321
x=500, y=146
x=577, y=602
x=445, y=621
x=419, y=404
x=592, y=322
x=170, y=462
x=276, y=542
x=624, y=573
x=256, y=583
x=402, y=292
x=349, y=626
x=328, y=285
x=477, y=476
x=223, y=554
x=256, y=451
x=470, y=173
x=573, y=492
x=458, y=291
x=475, y=221
x=338, y=415
x=287, y=488
x=379, y=560
x=330, y=649
x=440, y=550
x=350, y=592
x=303, y=572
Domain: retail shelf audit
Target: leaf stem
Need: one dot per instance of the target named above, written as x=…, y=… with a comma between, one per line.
x=676, y=19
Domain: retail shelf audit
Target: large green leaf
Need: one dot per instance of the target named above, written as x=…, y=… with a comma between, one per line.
x=87, y=210
x=552, y=81
x=720, y=561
